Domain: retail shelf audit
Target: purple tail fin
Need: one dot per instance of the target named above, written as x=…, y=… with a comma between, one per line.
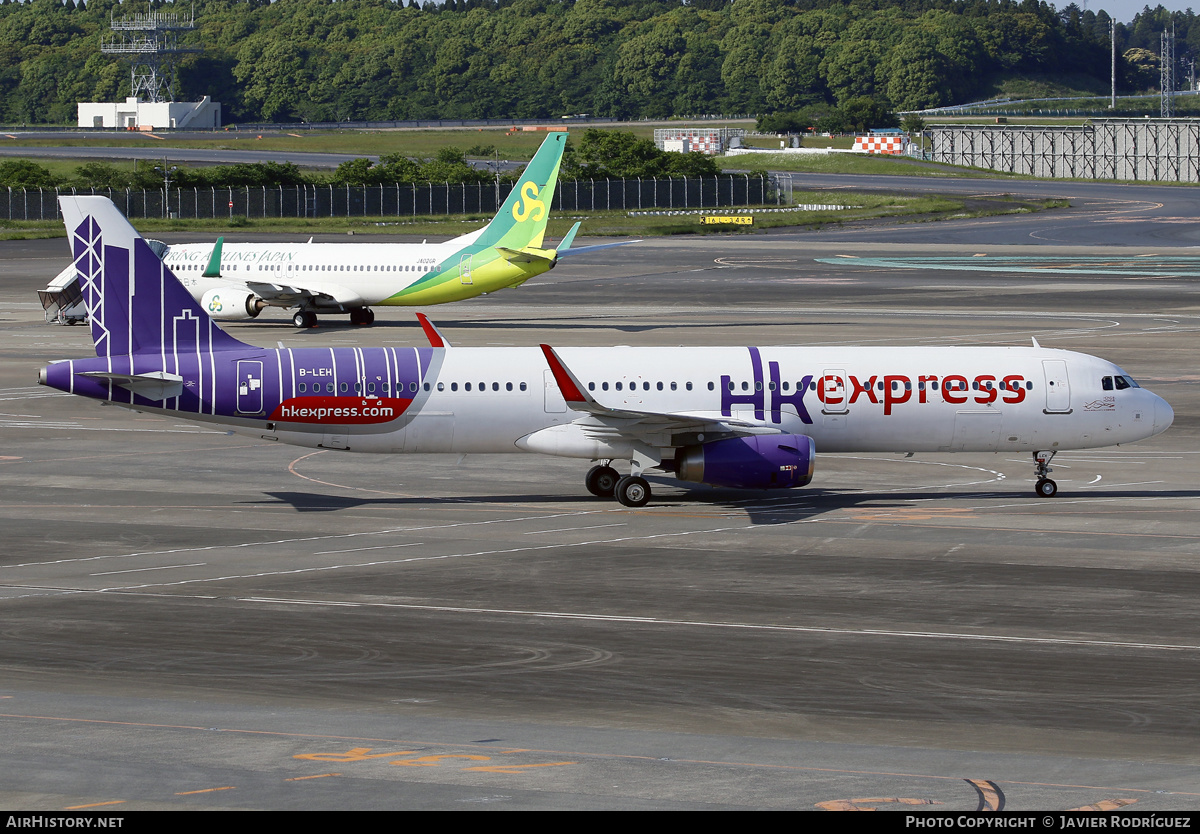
x=135, y=303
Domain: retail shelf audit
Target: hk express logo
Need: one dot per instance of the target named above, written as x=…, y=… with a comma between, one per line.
x=529, y=204
x=892, y=390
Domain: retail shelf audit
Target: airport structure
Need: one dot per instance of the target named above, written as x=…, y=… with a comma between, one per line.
x=1154, y=150
x=711, y=141
x=150, y=41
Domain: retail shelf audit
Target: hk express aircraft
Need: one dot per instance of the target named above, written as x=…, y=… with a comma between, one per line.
x=237, y=281
x=749, y=417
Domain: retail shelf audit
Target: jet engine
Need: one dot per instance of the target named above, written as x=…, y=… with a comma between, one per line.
x=232, y=304
x=772, y=461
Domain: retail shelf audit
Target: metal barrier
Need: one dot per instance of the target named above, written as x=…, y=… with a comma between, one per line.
x=413, y=200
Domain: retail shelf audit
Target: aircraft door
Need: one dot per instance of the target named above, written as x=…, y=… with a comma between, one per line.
x=464, y=269
x=831, y=391
x=249, y=383
x=1058, y=386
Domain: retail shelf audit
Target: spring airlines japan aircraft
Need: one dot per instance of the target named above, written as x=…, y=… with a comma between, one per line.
x=236, y=281
x=748, y=417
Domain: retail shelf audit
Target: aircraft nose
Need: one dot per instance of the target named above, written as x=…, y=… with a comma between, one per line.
x=1164, y=415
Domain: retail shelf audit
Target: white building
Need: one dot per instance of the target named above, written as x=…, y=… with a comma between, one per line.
x=135, y=114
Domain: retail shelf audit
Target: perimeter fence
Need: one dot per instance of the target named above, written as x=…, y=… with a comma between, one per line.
x=412, y=200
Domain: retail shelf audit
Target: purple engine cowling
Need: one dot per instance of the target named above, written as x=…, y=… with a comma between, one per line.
x=773, y=461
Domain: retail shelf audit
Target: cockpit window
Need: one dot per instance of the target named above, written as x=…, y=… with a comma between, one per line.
x=1122, y=383
x=1107, y=383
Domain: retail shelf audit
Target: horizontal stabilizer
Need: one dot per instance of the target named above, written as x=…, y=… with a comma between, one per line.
x=155, y=385
x=528, y=255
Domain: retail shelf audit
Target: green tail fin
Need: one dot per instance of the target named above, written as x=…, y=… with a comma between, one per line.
x=521, y=221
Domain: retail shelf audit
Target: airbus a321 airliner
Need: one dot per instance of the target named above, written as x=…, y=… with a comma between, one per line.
x=237, y=281
x=749, y=417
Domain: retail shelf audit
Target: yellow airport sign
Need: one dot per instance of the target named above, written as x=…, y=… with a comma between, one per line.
x=731, y=219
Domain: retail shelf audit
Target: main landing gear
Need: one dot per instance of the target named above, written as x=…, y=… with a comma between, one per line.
x=362, y=315
x=604, y=482
x=306, y=319
x=1045, y=488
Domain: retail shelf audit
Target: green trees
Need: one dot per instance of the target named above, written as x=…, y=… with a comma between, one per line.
x=316, y=60
x=613, y=153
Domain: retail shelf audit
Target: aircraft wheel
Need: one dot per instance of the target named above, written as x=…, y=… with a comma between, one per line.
x=601, y=481
x=305, y=319
x=1046, y=488
x=362, y=315
x=633, y=491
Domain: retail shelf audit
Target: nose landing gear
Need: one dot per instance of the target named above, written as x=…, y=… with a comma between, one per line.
x=1044, y=488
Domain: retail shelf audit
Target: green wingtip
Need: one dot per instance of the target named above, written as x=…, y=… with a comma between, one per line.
x=213, y=270
x=566, y=242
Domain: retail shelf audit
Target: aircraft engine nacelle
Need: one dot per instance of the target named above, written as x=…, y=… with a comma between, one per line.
x=772, y=461
x=232, y=304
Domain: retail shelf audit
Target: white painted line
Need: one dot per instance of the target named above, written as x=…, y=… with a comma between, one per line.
x=139, y=570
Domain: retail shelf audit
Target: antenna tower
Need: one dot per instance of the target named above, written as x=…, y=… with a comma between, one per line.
x=1166, y=74
x=151, y=40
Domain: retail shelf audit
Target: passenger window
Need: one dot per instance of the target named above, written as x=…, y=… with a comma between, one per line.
x=710, y=386
x=591, y=386
x=467, y=386
x=303, y=388
x=508, y=386
x=673, y=386
x=689, y=385
x=522, y=386
x=329, y=387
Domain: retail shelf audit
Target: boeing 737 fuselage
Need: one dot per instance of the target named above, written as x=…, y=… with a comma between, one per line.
x=749, y=417
x=237, y=281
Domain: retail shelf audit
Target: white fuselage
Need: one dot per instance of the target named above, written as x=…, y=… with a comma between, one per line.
x=854, y=399
x=354, y=274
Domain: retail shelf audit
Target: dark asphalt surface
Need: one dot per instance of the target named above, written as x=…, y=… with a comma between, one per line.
x=197, y=621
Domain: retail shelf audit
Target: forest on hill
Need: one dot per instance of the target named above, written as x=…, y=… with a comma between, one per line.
x=323, y=61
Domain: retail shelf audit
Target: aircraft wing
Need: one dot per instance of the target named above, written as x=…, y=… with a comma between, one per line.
x=579, y=250
x=652, y=426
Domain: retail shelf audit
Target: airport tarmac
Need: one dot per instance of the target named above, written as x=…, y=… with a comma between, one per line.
x=193, y=620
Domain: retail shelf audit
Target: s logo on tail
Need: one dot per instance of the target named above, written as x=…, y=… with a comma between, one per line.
x=529, y=204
